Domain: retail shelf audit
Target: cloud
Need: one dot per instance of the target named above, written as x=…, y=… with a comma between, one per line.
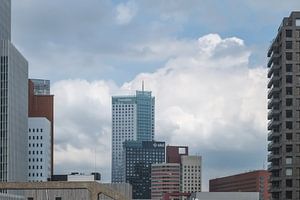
x=125, y=12
x=209, y=99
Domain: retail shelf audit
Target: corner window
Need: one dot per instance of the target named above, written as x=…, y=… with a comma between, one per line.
x=297, y=22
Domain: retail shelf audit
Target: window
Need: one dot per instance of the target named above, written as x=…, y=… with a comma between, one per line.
x=289, y=113
x=297, y=22
x=289, y=45
x=289, y=148
x=289, y=67
x=289, y=56
x=30, y=198
x=289, y=79
x=289, y=136
x=289, y=172
x=289, y=125
x=289, y=183
x=289, y=91
x=289, y=33
x=289, y=194
x=289, y=102
x=288, y=160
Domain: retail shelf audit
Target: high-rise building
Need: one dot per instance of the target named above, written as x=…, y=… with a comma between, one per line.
x=5, y=20
x=255, y=181
x=40, y=104
x=138, y=158
x=284, y=113
x=174, y=153
x=191, y=170
x=165, y=178
x=14, y=101
x=132, y=119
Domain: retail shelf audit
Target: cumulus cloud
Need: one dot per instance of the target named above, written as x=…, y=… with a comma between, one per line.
x=125, y=12
x=208, y=99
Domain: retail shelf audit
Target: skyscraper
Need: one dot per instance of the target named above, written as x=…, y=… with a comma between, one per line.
x=5, y=20
x=132, y=119
x=284, y=113
x=40, y=104
x=138, y=158
x=14, y=101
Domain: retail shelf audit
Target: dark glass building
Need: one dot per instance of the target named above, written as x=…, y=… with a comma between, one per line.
x=138, y=157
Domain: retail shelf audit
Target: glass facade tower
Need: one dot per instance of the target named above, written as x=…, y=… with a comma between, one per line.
x=132, y=119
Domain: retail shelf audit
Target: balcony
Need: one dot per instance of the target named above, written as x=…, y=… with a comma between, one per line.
x=272, y=156
x=273, y=113
x=274, y=79
x=274, y=57
x=274, y=67
x=271, y=134
x=274, y=89
x=272, y=167
x=273, y=123
x=273, y=101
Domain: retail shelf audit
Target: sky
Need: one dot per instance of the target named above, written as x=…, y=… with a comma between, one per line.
x=204, y=61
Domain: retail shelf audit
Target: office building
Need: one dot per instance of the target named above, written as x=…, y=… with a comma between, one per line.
x=255, y=181
x=14, y=101
x=132, y=119
x=39, y=149
x=5, y=20
x=165, y=178
x=40, y=104
x=191, y=170
x=138, y=158
x=284, y=114
x=174, y=153
x=75, y=176
x=224, y=196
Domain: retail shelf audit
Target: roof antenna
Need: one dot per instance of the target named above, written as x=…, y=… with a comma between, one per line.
x=143, y=85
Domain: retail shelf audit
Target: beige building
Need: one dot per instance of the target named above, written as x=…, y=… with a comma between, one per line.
x=191, y=174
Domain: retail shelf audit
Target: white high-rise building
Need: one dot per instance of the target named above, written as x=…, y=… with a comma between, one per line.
x=191, y=174
x=39, y=149
x=132, y=119
x=14, y=103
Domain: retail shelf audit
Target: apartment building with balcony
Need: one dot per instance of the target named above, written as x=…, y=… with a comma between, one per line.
x=284, y=110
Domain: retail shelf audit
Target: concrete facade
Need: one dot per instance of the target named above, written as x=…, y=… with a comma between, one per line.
x=284, y=114
x=39, y=149
x=191, y=174
x=255, y=181
x=132, y=119
x=5, y=20
x=174, y=153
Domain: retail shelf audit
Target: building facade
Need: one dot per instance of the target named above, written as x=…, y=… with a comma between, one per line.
x=138, y=158
x=39, y=149
x=191, y=170
x=41, y=86
x=5, y=20
x=284, y=114
x=41, y=104
x=132, y=119
x=174, y=153
x=224, y=196
x=255, y=181
x=14, y=97
x=165, y=178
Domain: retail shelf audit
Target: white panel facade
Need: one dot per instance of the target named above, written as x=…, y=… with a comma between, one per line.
x=123, y=128
x=191, y=173
x=39, y=149
x=225, y=196
x=5, y=20
x=14, y=113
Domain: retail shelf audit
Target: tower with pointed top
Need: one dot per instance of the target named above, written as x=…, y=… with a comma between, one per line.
x=132, y=119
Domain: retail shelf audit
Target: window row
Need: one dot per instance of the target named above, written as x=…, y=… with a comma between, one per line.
x=35, y=137
x=37, y=130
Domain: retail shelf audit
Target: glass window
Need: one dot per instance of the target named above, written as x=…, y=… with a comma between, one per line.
x=289, y=33
x=289, y=67
x=297, y=22
x=289, y=113
x=289, y=55
x=288, y=160
x=289, y=102
x=289, y=172
x=289, y=45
